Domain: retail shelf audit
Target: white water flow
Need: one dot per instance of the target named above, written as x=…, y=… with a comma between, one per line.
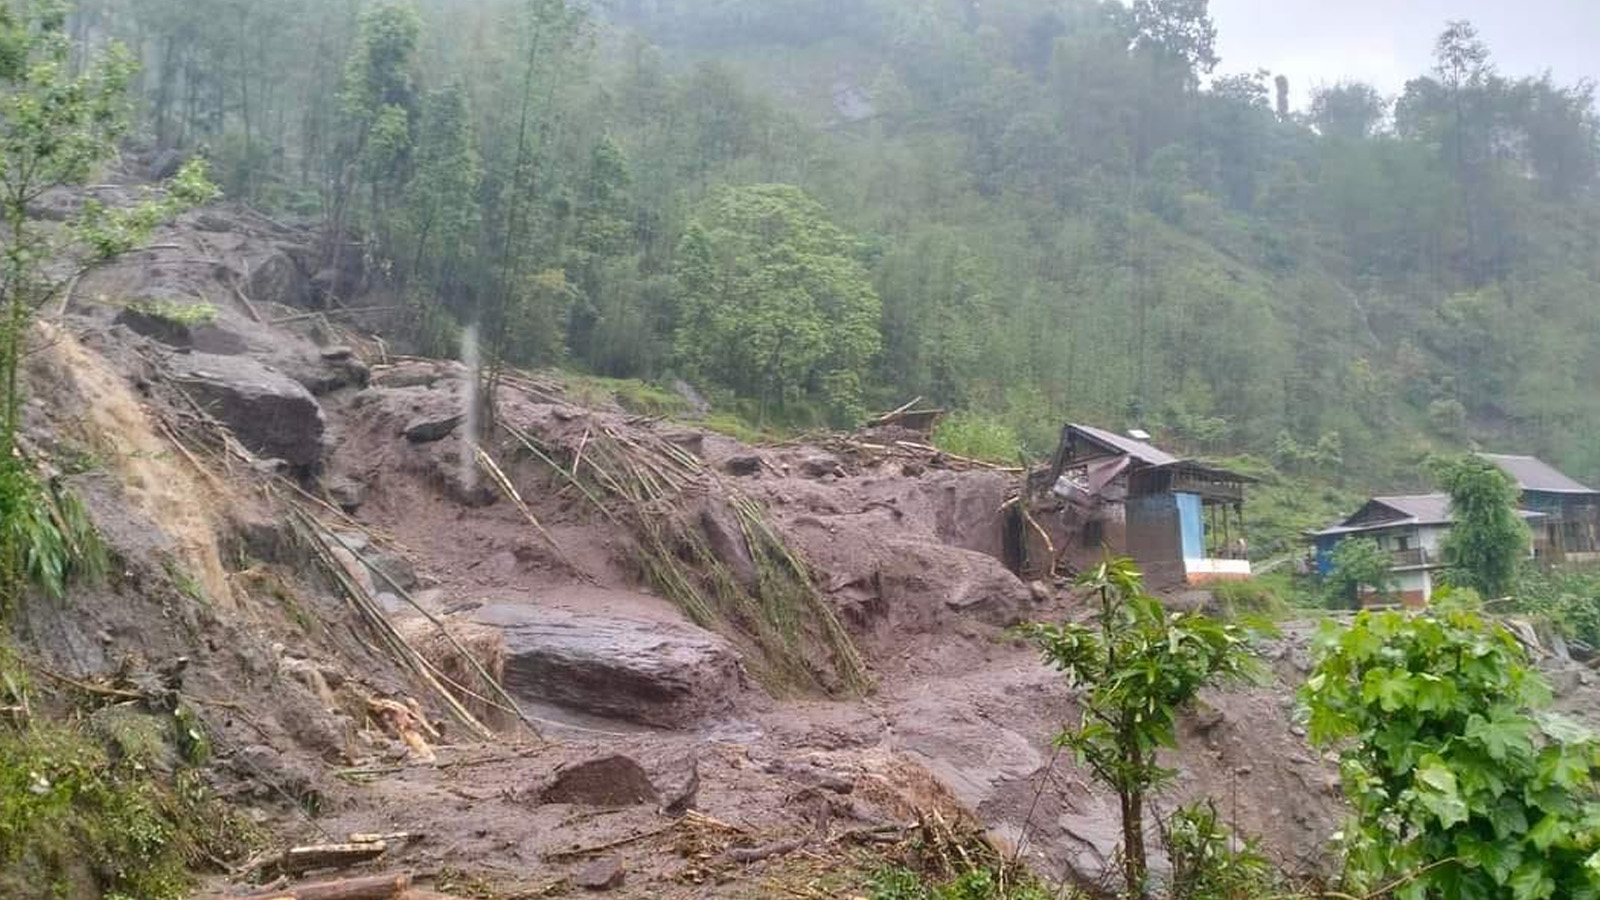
x=469, y=450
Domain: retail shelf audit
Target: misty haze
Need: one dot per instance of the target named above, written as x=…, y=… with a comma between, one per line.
x=862, y=449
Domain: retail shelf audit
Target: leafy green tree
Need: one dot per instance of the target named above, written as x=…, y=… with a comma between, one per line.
x=1359, y=563
x=1461, y=786
x=1348, y=110
x=441, y=200
x=56, y=128
x=1138, y=666
x=1488, y=539
x=787, y=312
x=380, y=102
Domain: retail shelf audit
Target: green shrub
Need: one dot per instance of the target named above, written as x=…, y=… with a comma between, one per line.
x=46, y=537
x=1568, y=601
x=74, y=817
x=1265, y=596
x=1462, y=785
x=900, y=883
x=1208, y=863
x=978, y=437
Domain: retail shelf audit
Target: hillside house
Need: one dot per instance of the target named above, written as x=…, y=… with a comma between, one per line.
x=1180, y=519
x=1411, y=528
x=1570, y=528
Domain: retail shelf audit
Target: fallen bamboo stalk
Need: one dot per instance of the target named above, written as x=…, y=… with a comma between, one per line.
x=498, y=476
x=299, y=860
x=765, y=851
x=580, y=852
x=573, y=479
x=333, y=313
x=511, y=704
x=375, y=618
x=374, y=887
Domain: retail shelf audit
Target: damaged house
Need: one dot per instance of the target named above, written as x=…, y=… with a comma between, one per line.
x=1181, y=520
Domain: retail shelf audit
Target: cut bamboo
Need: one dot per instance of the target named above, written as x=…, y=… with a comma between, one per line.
x=375, y=887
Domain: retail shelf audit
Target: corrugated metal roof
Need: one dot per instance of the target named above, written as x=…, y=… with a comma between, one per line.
x=1410, y=509
x=1145, y=453
x=1426, y=509
x=1534, y=474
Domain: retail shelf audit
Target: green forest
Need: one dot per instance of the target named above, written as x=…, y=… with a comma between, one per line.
x=1030, y=210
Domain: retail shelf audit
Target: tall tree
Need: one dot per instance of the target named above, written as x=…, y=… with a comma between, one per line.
x=1488, y=539
x=787, y=312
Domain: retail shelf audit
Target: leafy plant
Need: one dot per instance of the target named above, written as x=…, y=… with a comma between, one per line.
x=1359, y=563
x=1209, y=863
x=1568, y=600
x=1138, y=667
x=46, y=536
x=1461, y=785
x=109, y=232
x=898, y=883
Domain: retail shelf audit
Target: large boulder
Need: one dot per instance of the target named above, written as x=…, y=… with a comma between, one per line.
x=271, y=414
x=279, y=279
x=655, y=673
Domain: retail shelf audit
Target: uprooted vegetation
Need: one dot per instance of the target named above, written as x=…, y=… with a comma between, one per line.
x=641, y=481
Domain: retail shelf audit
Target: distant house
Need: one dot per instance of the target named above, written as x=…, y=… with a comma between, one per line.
x=1570, y=528
x=1180, y=519
x=1411, y=528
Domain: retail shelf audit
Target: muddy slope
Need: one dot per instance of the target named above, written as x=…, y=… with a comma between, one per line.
x=779, y=707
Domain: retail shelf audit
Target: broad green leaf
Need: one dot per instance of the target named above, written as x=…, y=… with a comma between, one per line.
x=1531, y=882
x=1436, y=789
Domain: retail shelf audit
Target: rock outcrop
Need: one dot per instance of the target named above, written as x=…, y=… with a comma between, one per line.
x=655, y=673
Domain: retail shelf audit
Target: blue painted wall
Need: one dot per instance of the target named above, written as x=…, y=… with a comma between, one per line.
x=1325, y=545
x=1191, y=525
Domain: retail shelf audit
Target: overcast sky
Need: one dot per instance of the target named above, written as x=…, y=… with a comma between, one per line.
x=1386, y=42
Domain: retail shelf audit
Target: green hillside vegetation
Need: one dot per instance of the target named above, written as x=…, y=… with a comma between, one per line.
x=1037, y=210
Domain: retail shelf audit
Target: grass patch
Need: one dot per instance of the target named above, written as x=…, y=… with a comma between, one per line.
x=736, y=427
x=47, y=539
x=185, y=315
x=977, y=436
x=638, y=397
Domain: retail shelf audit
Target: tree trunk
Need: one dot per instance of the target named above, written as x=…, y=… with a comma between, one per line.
x=1135, y=869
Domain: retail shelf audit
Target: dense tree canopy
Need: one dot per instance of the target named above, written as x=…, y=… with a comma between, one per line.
x=1039, y=209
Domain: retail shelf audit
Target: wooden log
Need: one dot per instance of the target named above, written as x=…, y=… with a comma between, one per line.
x=328, y=856
x=374, y=887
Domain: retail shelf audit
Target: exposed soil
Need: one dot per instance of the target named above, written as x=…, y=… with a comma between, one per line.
x=906, y=555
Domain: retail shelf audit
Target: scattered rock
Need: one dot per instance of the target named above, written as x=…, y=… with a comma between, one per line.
x=610, y=781
x=743, y=464
x=657, y=673
x=271, y=414
x=209, y=221
x=1040, y=591
x=429, y=428
x=678, y=783
x=603, y=874
x=166, y=164
x=348, y=493
x=821, y=464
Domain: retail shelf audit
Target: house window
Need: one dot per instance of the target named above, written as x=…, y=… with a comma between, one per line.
x=1402, y=544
